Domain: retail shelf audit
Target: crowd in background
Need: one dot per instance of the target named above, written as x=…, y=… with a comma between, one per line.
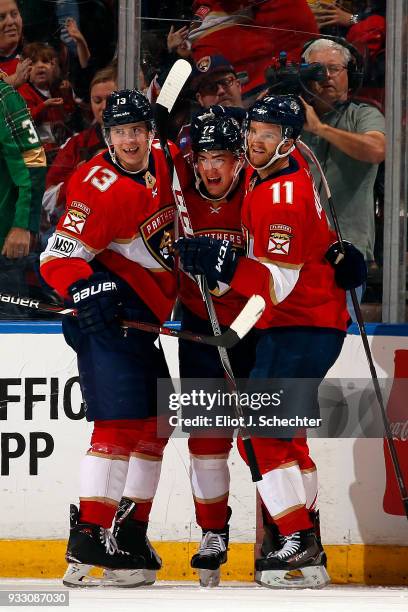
x=61, y=57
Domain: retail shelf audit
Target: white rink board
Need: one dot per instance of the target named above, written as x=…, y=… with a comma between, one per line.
x=351, y=472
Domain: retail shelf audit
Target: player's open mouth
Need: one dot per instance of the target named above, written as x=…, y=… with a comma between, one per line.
x=131, y=151
x=214, y=181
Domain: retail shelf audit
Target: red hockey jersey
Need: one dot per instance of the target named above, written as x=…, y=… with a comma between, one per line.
x=288, y=235
x=76, y=150
x=122, y=224
x=221, y=220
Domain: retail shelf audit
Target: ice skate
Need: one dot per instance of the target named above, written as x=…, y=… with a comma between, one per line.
x=89, y=546
x=272, y=539
x=131, y=537
x=211, y=555
x=315, y=518
x=298, y=564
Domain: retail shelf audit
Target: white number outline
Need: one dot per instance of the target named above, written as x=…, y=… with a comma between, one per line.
x=107, y=178
x=28, y=124
x=276, y=192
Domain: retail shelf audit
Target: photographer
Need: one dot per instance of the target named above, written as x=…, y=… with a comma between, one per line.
x=348, y=138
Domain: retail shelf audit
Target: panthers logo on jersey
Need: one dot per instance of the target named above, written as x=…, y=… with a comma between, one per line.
x=157, y=233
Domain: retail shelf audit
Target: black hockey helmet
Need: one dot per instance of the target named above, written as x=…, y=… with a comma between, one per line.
x=127, y=106
x=216, y=130
x=285, y=110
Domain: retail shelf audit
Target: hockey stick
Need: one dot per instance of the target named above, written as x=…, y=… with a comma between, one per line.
x=361, y=326
x=172, y=86
x=241, y=325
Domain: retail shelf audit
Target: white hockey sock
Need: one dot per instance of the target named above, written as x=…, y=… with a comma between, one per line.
x=282, y=490
x=210, y=478
x=142, y=478
x=310, y=483
x=102, y=478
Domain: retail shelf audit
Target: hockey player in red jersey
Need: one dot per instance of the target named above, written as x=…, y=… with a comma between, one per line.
x=108, y=257
x=79, y=148
x=302, y=328
x=214, y=206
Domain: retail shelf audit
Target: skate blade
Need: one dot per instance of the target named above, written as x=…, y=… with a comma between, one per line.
x=311, y=577
x=129, y=579
x=209, y=578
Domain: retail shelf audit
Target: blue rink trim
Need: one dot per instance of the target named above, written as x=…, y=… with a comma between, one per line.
x=54, y=327
x=30, y=327
x=380, y=329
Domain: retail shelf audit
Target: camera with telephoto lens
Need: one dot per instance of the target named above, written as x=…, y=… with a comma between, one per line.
x=285, y=77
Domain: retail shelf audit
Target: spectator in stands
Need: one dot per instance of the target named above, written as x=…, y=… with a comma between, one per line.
x=250, y=34
x=215, y=82
x=78, y=42
x=51, y=102
x=348, y=138
x=77, y=150
x=12, y=69
x=157, y=60
x=78, y=67
x=364, y=27
x=177, y=42
x=368, y=14
x=22, y=171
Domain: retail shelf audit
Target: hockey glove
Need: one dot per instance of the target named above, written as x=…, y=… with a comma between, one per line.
x=97, y=302
x=215, y=259
x=350, y=269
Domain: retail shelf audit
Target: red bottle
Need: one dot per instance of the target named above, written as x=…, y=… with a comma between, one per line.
x=397, y=411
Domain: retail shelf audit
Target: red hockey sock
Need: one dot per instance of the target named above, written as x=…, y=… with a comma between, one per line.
x=97, y=513
x=294, y=521
x=142, y=511
x=212, y=516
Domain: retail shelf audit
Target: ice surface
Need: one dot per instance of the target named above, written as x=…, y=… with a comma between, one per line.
x=230, y=597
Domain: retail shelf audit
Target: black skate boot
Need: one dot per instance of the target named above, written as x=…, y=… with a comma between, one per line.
x=272, y=540
x=298, y=564
x=131, y=537
x=211, y=554
x=314, y=516
x=91, y=545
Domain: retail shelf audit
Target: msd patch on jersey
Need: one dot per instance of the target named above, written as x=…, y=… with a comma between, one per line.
x=279, y=239
x=63, y=245
x=74, y=221
x=157, y=234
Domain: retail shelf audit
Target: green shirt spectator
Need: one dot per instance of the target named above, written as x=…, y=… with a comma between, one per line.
x=22, y=171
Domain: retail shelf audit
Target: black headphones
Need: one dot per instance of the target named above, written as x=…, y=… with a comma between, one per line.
x=355, y=67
